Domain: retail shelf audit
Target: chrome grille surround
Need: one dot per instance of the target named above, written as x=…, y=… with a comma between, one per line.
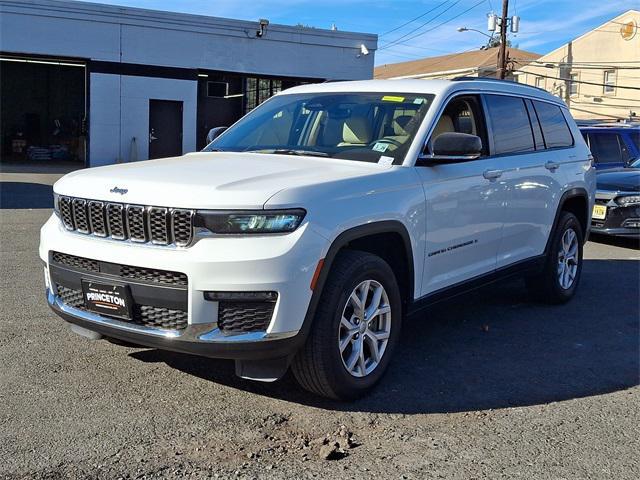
x=158, y=219
x=115, y=221
x=136, y=223
x=97, y=220
x=66, y=213
x=80, y=216
x=182, y=226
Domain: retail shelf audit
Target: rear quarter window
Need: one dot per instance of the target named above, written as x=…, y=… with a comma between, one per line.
x=554, y=126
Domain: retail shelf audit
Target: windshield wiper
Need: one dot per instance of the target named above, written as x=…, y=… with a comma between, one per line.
x=290, y=151
x=293, y=151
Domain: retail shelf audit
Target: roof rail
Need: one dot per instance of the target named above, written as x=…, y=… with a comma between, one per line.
x=490, y=79
x=486, y=79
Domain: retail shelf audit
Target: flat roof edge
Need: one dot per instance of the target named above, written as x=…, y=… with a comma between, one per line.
x=133, y=15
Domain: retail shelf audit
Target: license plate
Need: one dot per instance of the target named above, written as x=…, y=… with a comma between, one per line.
x=599, y=212
x=111, y=300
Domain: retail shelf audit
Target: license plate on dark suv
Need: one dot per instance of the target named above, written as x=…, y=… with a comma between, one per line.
x=111, y=300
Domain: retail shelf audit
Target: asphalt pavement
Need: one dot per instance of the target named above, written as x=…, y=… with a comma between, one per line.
x=489, y=385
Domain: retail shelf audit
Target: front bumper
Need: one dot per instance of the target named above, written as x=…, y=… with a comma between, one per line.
x=280, y=263
x=202, y=339
x=617, y=232
x=618, y=218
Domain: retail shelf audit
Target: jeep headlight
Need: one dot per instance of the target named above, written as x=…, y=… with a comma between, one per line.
x=250, y=222
x=628, y=200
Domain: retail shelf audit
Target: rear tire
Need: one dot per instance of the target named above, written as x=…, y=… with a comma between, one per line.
x=561, y=274
x=349, y=347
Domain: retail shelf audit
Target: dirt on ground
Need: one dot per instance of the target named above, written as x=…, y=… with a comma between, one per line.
x=489, y=385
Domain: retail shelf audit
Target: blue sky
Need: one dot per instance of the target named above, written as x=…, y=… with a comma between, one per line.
x=545, y=24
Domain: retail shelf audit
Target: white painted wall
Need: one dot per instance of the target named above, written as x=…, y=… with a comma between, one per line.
x=104, y=119
x=133, y=35
x=119, y=105
x=136, y=93
x=119, y=112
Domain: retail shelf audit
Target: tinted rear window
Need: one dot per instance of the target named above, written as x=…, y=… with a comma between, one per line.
x=554, y=126
x=605, y=147
x=510, y=125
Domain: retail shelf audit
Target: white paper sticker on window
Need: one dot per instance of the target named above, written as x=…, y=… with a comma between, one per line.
x=384, y=160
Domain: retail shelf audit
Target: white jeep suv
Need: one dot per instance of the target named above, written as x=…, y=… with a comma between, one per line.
x=302, y=235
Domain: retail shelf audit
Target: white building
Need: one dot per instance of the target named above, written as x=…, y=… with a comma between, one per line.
x=101, y=84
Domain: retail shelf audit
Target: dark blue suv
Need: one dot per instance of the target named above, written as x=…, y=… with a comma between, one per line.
x=612, y=145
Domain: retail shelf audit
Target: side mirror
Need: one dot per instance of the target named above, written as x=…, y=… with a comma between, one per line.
x=453, y=147
x=215, y=133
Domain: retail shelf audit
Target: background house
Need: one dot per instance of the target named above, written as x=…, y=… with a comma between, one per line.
x=476, y=63
x=99, y=84
x=597, y=74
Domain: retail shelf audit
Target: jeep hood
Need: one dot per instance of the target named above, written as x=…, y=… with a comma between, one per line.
x=215, y=180
x=620, y=179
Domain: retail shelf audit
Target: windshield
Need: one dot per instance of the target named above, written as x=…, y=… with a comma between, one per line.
x=370, y=127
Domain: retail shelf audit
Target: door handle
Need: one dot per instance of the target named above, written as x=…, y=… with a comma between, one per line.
x=492, y=174
x=152, y=138
x=551, y=166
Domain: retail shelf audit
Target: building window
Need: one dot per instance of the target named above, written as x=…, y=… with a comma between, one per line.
x=540, y=82
x=609, y=82
x=573, y=84
x=258, y=90
x=217, y=89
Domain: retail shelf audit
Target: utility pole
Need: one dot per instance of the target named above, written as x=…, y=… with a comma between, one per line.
x=501, y=71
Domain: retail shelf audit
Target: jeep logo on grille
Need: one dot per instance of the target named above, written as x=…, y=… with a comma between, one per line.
x=121, y=191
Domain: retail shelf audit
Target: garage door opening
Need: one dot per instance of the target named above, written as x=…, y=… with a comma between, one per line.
x=43, y=114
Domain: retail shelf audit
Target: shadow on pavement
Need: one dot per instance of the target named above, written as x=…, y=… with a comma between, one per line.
x=623, y=242
x=25, y=195
x=489, y=349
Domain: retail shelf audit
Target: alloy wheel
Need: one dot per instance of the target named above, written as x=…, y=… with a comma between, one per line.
x=568, y=259
x=364, y=328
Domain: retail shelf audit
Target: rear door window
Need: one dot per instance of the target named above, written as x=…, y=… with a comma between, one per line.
x=605, y=147
x=510, y=126
x=554, y=126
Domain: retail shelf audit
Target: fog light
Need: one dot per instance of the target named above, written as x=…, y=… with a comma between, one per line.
x=241, y=296
x=631, y=223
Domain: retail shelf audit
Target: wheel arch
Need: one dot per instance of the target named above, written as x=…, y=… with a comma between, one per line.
x=359, y=238
x=576, y=201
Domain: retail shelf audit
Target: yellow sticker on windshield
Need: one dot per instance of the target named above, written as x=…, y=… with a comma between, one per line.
x=391, y=98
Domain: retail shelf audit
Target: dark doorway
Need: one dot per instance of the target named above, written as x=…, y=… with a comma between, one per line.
x=43, y=114
x=165, y=128
x=219, y=102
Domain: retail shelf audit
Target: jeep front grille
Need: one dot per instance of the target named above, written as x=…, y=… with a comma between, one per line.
x=138, y=223
x=140, y=274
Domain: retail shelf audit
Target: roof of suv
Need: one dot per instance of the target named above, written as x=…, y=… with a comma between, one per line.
x=435, y=87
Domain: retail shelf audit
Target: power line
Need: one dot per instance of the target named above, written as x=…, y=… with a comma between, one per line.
x=397, y=41
x=414, y=19
x=626, y=87
x=581, y=66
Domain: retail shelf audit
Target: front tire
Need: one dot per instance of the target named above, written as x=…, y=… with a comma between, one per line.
x=355, y=329
x=558, y=281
